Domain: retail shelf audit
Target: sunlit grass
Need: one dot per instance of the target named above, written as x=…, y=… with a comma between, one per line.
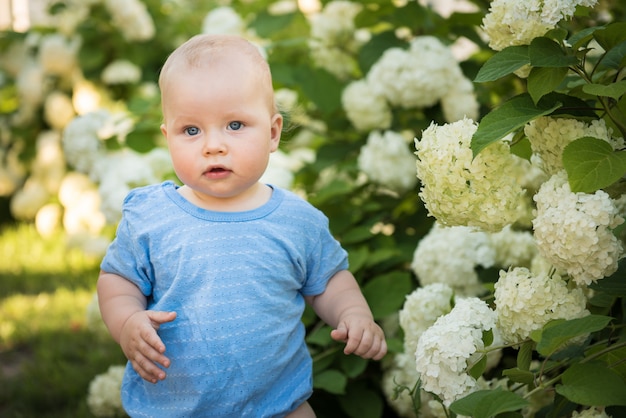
x=49, y=352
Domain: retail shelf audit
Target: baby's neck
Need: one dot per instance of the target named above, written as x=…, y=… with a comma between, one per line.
x=251, y=199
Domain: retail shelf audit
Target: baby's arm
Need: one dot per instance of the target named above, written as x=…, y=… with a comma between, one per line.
x=123, y=309
x=343, y=307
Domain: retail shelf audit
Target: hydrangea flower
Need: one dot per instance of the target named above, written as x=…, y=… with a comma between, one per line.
x=223, y=20
x=513, y=22
x=417, y=77
x=365, y=109
x=421, y=309
x=549, y=136
x=460, y=101
x=334, y=38
x=450, y=255
x=387, y=160
x=526, y=302
x=447, y=350
x=573, y=231
x=121, y=72
x=513, y=248
x=104, y=399
x=458, y=189
x=593, y=412
x=132, y=18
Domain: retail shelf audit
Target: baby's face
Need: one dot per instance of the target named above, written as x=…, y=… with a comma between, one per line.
x=220, y=126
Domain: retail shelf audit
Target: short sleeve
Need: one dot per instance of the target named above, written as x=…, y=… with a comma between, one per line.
x=127, y=257
x=325, y=260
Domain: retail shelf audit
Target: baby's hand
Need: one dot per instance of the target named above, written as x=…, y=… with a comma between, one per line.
x=142, y=346
x=362, y=336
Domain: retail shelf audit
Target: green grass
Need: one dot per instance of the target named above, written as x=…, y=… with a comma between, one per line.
x=48, y=353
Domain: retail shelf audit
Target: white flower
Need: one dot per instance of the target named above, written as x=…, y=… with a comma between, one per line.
x=457, y=188
x=593, y=412
x=81, y=141
x=460, y=101
x=57, y=54
x=104, y=397
x=334, y=40
x=513, y=22
x=223, y=20
x=447, y=350
x=526, y=302
x=573, y=231
x=549, y=136
x=450, y=255
x=417, y=77
x=121, y=72
x=513, y=248
x=132, y=18
x=387, y=160
x=365, y=109
x=421, y=309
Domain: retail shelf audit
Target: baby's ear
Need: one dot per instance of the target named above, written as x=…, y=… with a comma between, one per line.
x=164, y=130
x=276, y=129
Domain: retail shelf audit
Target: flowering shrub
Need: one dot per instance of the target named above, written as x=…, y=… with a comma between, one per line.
x=469, y=161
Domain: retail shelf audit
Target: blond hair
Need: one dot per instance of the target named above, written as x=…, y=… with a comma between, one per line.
x=204, y=49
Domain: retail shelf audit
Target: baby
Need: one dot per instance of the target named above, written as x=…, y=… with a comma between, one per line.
x=205, y=284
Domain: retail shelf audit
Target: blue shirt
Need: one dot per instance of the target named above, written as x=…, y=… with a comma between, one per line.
x=236, y=281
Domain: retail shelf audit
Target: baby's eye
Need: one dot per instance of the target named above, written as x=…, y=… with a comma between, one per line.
x=192, y=130
x=235, y=125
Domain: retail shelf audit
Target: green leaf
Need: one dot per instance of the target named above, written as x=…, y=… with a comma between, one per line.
x=320, y=336
x=543, y=80
x=488, y=403
x=544, y=52
x=592, y=164
x=266, y=24
x=614, y=58
x=352, y=366
x=503, y=63
x=331, y=381
x=478, y=368
x=611, y=35
x=592, y=384
x=511, y=115
x=613, y=90
x=615, y=284
x=557, y=333
x=361, y=402
x=520, y=376
x=386, y=293
x=524, y=355
x=321, y=87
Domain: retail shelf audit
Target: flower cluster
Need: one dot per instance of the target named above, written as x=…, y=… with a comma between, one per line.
x=450, y=255
x=457, y=188
x=549, y=136
x=512, y=22
x=447, y=350
x=417, y=77
x=104, y=398
x=387, y=160
x=421, y=309
x=334, y=39
x=132, y=19
x=365, y=108
x=525, y=302
x=574, y=230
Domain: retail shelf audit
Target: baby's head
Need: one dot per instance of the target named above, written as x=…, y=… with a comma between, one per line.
x=203, y=51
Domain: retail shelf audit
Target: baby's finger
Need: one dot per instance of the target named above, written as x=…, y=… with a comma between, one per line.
x=353, y=342
x=147, y=369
